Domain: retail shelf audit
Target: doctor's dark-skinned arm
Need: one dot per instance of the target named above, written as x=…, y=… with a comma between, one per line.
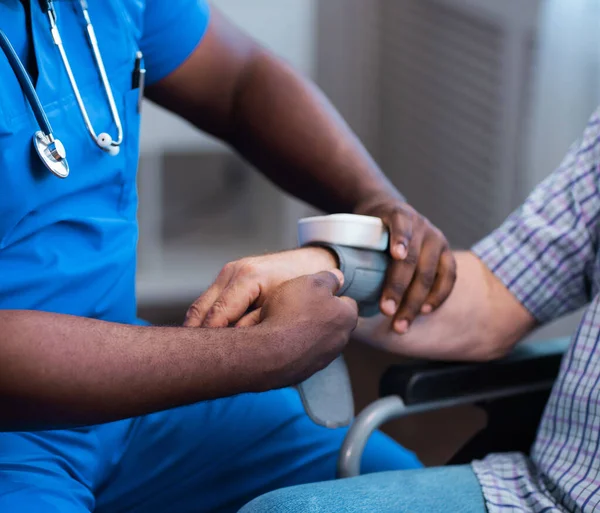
x=234, y=89
x=58, y=371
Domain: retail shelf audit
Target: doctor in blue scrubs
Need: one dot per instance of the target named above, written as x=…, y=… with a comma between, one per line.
x=100, y=412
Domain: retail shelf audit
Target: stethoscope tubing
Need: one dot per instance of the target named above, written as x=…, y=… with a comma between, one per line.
x=48, y=7
x=108, y=144
x=26, y=84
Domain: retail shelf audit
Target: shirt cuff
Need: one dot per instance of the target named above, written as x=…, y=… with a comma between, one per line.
x=509, y=258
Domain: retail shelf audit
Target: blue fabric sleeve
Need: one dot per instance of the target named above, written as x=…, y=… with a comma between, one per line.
x=172, y=30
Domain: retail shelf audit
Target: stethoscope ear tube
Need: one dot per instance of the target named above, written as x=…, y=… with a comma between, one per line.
x=93, y=43
x=26, y=84
x=45, y=5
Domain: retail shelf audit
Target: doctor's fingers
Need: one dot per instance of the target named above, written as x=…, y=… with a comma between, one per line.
x=400, y=223
x=421, y=286
x=400, y=275
x=255, y=316
x=444, y=282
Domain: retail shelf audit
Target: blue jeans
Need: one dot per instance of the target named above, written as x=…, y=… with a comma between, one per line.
x=434, y=490
x=213, y=456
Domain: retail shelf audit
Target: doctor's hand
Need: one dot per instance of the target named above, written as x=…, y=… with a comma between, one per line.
x=423, y=272
x=246, y=284
x=306, y=327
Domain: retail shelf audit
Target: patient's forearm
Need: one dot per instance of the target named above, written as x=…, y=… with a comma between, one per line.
x=481, y=320
x=61, y=371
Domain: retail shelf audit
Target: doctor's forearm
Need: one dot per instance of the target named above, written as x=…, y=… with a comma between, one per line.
x=61, y=371
x=237, y=91
x=480, y=321
x=288, y=129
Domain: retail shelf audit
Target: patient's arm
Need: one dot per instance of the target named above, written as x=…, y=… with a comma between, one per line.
x=481, y=320
x=545, y=253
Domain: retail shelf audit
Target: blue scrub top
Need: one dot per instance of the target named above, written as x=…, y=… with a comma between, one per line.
x=69, y=246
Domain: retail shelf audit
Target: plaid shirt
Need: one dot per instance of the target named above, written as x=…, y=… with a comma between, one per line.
x=547, y=254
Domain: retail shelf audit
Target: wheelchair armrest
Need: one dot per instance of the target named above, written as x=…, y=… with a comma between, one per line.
x=530, y=364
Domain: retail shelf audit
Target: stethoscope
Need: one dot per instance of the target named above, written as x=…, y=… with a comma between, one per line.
x=50, y=150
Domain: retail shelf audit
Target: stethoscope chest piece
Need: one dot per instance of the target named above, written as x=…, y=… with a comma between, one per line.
x=50, y=150
x=52, y=153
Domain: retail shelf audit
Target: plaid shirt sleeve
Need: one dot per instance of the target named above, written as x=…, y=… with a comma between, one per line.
x=544, y=253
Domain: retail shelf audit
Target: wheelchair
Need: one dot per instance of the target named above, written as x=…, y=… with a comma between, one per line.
x=512, y=391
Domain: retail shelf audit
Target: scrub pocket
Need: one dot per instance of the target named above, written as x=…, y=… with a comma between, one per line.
x=99, y=186
x=131, y=119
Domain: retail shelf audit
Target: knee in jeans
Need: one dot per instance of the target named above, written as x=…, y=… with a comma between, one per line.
x=296, y=500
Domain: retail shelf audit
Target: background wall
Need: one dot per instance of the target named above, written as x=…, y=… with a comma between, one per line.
x=567, y=88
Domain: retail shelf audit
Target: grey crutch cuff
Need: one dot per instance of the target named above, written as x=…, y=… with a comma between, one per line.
x=364, y=273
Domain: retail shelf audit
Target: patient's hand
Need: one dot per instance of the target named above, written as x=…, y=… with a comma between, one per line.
x=248, y=283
